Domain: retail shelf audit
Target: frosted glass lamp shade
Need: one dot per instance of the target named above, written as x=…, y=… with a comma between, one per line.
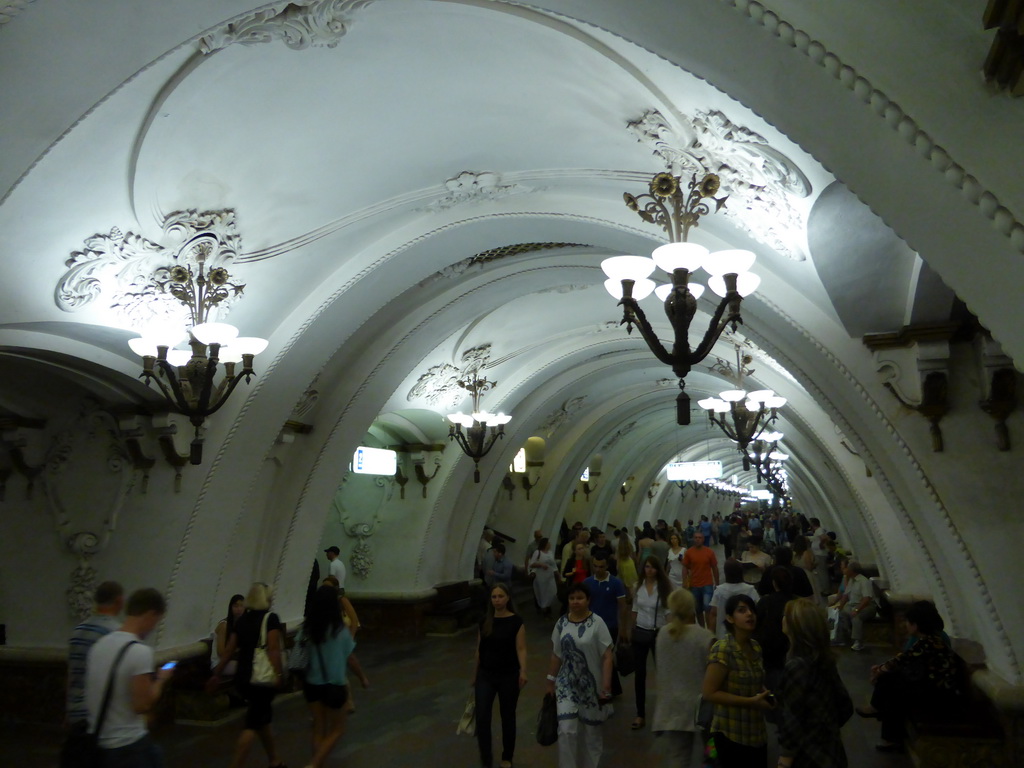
x=248, y=345
x=642, y=288
x=501, y=418
x=771, y=437
x=732, y=395
x=760, y=395
x=707, y=403
x=178, y=357
x=746, y=284
x=229, y=355
x=143, y=346
x=734, y=261
x=215, y=333
x=663, y=290
x=672, y=256
x=775, y=402
x=628, y=267
x=461, y=418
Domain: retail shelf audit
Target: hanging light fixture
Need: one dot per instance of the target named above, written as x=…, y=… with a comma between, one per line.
x=188, y=379
x=476, y=433
x=629, y=276
x=742, y=415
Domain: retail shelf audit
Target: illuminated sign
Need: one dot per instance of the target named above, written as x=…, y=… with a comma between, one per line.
x=586, y=475
x=693, y=470
x=374, y=461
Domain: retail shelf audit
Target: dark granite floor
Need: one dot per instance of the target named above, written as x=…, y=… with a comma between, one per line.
x=408, y=717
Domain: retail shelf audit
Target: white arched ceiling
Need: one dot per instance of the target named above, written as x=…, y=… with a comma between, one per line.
x=375, y=180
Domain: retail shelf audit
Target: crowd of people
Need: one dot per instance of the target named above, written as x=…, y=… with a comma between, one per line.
x=748, y=644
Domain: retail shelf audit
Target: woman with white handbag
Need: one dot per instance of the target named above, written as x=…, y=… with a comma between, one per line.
x=258, y=637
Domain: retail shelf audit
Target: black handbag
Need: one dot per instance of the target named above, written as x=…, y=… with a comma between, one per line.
x=81, y=748
x=625, y=662
x=547, y=722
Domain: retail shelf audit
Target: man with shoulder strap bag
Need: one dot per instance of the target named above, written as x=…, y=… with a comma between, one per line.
x=122, y=686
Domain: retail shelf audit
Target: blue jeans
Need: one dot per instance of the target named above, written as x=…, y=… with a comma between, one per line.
x=702, y=598
x=139, y=754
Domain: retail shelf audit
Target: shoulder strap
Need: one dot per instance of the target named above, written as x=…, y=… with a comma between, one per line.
x=263, y=630
x=110, y=686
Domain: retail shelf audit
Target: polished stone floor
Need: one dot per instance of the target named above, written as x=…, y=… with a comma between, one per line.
x=408, y=717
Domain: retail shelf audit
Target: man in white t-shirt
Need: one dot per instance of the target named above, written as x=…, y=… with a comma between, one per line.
x=335, y=566
x=135, y=688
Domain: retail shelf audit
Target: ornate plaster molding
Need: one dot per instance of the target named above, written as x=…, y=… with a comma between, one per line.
x=608, y=444
x=87, y=475
x=11, y=8
x=299, y=24
x=565, y=411
x=760, y=178
x=132, y=273
x=439, y=385
x=885, y=108
x=361, y=559
x=475, y=187
x=480, y=260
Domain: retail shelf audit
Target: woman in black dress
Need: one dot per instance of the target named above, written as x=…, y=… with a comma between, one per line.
x=499, y=670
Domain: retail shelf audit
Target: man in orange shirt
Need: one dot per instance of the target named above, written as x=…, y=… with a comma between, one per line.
x=701, y=566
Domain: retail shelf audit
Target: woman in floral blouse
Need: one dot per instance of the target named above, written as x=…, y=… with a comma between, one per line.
x=926, y=679
x=734, y=683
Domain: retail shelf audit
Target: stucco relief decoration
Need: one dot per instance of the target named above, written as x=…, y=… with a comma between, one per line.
x=762, y=182
x=133, y=274
x=87, y=476
x=619, y=434
x=555, y=420
x=361, y=559
x=11, y=8
x=299, y=25
x=439, y=385
x=475, y=187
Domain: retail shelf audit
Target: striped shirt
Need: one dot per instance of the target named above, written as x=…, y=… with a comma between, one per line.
x=82, y=638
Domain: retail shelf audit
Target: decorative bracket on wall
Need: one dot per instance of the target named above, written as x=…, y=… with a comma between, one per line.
x=527, y=485
x=652, y=491
x=508, y=485
x=24, y=441
x=133, y=432
x=925, y=348
x=165, y=429
x=999, y=387
x=401, y=480
x=418, y=454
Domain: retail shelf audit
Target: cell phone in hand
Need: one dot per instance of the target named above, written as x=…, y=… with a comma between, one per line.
x=169, y=665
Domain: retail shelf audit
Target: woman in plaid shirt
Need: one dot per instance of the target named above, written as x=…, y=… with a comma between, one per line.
x=734, y=683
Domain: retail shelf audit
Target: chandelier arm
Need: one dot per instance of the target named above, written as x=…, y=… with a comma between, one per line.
x=713, y=333
x=648, y=334
x=224, y=392
x=172, y=390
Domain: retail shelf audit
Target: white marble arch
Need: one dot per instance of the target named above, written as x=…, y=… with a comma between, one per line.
x=940, y=171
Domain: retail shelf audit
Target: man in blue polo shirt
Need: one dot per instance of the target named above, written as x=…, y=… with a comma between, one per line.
x=608, y=600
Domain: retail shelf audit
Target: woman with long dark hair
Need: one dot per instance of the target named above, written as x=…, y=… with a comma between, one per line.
x=734, y=683
x=812, y=700
x=222, y=632
x=326, y=684
x=650, y=612
x=499, y=669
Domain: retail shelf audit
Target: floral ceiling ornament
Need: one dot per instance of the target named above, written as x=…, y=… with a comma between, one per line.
x=299, y=24
x=475, y=187
x=482, y=259
x=137, y=278
x=439, y=385
x=619, y=434
x=763, y=183
x=11, y=8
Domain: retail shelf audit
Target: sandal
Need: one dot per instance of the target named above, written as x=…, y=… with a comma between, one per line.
x=638, y=723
